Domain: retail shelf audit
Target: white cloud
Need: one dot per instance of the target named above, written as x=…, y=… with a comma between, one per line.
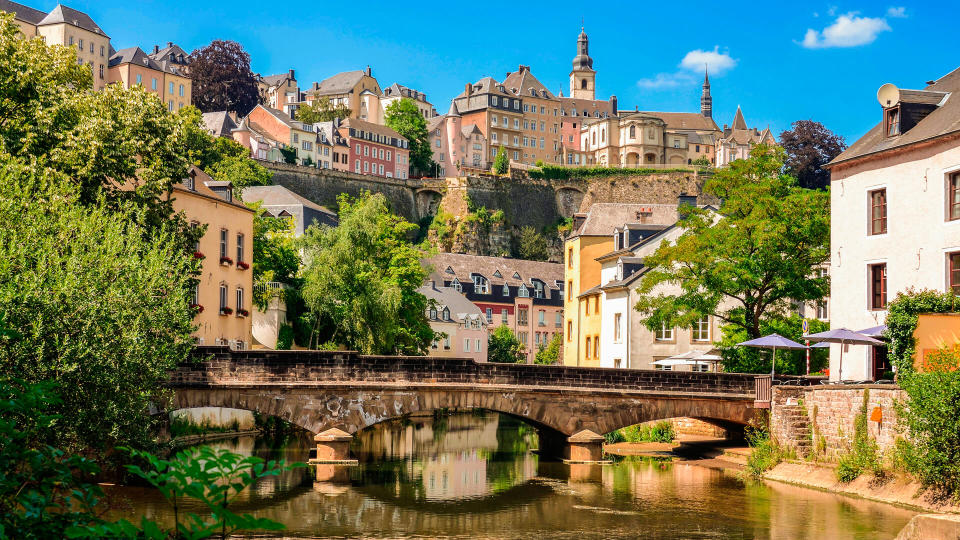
x=717, y=61
x=691, y=69
x=897, y=12
x=849, y=30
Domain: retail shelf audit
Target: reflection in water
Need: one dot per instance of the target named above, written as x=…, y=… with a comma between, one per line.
x=474, y=475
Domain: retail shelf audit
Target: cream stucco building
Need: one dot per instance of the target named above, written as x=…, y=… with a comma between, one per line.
x=895, y=214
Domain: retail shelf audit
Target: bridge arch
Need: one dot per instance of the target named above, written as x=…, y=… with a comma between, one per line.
x=568, y=200
x=426, y=201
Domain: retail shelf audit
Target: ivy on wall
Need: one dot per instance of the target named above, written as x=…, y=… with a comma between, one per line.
x=902, y=315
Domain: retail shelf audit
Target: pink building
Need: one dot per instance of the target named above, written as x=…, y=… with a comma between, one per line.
x=456, y=146
x=462, y=324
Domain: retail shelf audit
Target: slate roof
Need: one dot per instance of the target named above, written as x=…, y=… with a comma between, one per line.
x=486, y=85
x=273, y=80
x=134, y=55
x=399, y=90
x=522, y=82
x=340, y=83
x=589, y=105
x=739, y=132
x=356, y=123
x=172, y=50
x=64, y=14
x=603, y=218
x=280, y=196
x=22, y=12
x=448, y=297
x=551, y=274
x=944, y=120
x=219, y=123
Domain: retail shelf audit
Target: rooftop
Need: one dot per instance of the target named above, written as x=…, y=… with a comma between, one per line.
x=461, y=266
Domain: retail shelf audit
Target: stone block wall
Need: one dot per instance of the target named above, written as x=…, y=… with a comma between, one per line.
x=830, y=411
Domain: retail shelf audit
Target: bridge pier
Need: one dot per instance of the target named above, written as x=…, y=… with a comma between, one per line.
x=585, y=446
x=333, y=448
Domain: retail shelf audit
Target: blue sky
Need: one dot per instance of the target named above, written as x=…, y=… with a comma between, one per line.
x=781, y=62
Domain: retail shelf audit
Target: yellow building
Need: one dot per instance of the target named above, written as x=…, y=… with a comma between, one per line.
x=72, y=28
x=358, y=90
x=223, y=297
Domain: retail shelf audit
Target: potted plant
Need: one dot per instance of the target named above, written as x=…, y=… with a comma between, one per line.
x=242, y=312
x=196, y=308
x=226, y=311
x=226, y=261
x=199, y=255
x=242, y=265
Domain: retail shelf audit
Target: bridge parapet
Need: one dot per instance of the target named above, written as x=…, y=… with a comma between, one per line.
x=223, y=366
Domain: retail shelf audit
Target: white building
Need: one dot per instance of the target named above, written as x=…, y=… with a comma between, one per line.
x=895, y=214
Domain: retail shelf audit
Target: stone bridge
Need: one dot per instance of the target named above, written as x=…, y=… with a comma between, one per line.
x=334, y=394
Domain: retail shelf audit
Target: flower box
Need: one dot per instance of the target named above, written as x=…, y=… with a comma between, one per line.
x=242, y=265
x=196, y=308
x=242, y=313
x=226, y=311
x=198, y=255
x=226, y=261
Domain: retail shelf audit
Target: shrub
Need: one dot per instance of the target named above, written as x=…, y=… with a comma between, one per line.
x=660, y=432
x=285, y=338
x=863, y=453
x=764, y=453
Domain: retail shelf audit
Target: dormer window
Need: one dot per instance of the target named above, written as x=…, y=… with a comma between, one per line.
x=893, y=121
x=516, y=275
x=456, y=285
x=522, y=292
x=538, y=289
x=480, y=284
x=446, y=314
x=496, y=273
x=449, y=270
x=433, y=314
x=619, y=270
x=506, y=290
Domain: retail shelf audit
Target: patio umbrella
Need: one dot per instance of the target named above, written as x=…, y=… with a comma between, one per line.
x=773, y=341
x=842, y=336
x=875, y=332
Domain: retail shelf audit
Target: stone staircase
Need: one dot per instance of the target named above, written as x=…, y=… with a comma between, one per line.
x=796, y=426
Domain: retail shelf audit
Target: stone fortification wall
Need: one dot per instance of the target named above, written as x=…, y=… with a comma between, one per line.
x=808, y=417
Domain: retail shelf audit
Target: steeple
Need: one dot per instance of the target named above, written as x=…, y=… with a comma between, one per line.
x=738, y=121
x=583, y=78
x=706, y=102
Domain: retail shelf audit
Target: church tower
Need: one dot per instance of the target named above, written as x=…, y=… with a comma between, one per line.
x=706, y=102
x=583, y=78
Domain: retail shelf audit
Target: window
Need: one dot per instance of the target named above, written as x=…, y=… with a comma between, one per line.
x=446, y=343
x=102, y=48
x=586, y=348
x=522, y=317
x=489, y=315
x=617, y=334
x=171, y=88
x=466, y=345
x=953, y=198
x=181, y=90
x=822, y=313
x=878, y=211
x=506, y=290
x=664, y=333
x=559, y=322
x=223, y=242
x=477, y=348
x=570, y=259
x=542, y=318
x=878, y=286
x=480, y=284
x=433, y=313
x=596, y=346
x=436, y=344
x=358, y=165
x=139, y=78
x=223, y=297
x=239, y=247
x=522, y=292
x=239, y=299
x=456, y=285
x=953, y=272
x=701, y=329
x=153, y=84
x=503, y=315
x=101, y=71
x=446, y=314
x=893, y=122
x=80, y=44
x=195, y=294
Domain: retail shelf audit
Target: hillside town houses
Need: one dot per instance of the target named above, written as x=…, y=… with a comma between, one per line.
x=880, y=243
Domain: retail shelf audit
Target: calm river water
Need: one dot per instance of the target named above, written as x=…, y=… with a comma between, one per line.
x=475, y=476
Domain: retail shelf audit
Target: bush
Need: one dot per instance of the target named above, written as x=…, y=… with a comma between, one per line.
x=558, y=172
x=660, y=432
x=863, y=453
x=285, y=338
x=764, y=454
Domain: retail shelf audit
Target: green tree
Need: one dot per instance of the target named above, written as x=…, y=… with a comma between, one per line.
x=531, y=245
x=759, y=252
x=362, y=277
x=321, y=110
x=702, y=161
x=100, y=302
x=550, y=354
x=501, y=165
x=275, y=254
x=504, y=347
x=749, y=360
x=404, y=117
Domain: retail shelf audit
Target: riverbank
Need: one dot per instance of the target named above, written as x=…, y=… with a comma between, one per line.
x=894, y=489
x=188, y=440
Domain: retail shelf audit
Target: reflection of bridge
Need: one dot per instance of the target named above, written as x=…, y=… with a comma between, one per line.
x=335, y=394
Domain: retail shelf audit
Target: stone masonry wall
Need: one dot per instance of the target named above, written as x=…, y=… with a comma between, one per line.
x=262, y=366
x=830, y=411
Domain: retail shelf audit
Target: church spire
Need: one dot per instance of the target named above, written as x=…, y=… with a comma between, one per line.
x=583, y=78
x=706, y=102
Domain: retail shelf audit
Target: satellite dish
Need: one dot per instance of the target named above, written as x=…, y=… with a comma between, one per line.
x=888, y=95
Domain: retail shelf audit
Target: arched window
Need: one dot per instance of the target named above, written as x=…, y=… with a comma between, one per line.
x=446, y=314
x=594, y=137
x=506, y=290
x=603, y=136
x=633, y=132
x=583, y=84
x=433, y=314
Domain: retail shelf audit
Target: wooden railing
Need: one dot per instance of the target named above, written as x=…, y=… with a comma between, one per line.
x=762, y=392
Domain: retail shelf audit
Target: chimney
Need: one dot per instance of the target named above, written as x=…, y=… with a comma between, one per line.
x=169, y=44
x=156, y=49
x=369, y=72
x=291, y=75
x=468, y=88
x=613, y=105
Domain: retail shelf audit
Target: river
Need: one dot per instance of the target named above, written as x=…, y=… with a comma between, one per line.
x=477, y=475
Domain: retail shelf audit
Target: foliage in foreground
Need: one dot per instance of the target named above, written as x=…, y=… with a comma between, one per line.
x=100, y=305
x=764, y=452
x=550, y=354
x=404, y=117
x=504, y=347
x=361, y=279
x=47, y=493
